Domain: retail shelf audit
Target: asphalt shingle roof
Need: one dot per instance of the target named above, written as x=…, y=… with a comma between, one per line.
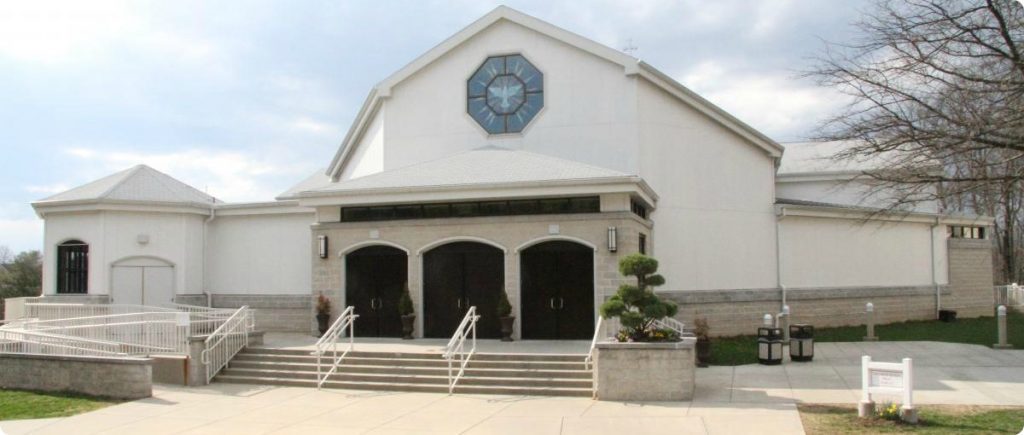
x=140, y=183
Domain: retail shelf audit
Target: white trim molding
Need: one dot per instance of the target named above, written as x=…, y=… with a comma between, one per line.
x=454, y=239
x=550, y=238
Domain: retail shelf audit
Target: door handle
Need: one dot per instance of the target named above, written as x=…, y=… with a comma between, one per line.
x=380, y=303
x=561, y=303
x=551, y=303
x=460, y=303
x=373, y=303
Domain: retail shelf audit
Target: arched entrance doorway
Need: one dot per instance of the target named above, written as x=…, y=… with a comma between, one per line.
x=457, y=276
x=375, y=277
x=557, y=290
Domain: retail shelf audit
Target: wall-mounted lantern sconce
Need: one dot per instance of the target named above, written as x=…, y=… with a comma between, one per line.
x=322, y=246
x=613, y=242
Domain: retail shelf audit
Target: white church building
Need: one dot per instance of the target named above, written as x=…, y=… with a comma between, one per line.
x=516, y=156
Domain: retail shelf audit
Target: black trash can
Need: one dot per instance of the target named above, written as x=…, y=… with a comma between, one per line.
x=769, y=346
x=947, y=316
x=801, y=342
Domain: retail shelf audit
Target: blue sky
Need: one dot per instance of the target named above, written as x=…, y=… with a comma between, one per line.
x=243, y=99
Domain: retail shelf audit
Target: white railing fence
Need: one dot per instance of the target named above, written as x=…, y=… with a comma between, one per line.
x=329, y=342
x=670, y=323
x=1010, y=295
x=205, y=320
x=589, y=360
x=456, y=348
x=41, y=343
x=136, y=333
x=226, y=341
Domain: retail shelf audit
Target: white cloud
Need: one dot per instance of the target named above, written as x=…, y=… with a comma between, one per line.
x=21, y=234
x=775, y=103
x=47, y=189
x=231, y=176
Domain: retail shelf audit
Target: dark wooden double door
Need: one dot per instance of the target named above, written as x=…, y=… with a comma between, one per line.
x=557, y=280
x=457, y=276
x=375, y=277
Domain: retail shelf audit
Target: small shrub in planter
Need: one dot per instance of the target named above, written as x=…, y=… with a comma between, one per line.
x=636, y=306
x=408, y=313
x=323, y=313
x=505, y=315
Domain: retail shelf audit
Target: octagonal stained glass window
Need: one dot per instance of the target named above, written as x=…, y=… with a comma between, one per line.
x=505, y=94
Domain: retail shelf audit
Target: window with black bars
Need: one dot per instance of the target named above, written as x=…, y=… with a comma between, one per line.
x=72, y=267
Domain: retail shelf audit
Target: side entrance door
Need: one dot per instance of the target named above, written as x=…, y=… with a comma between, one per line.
x=375, y=277
x=142, y=281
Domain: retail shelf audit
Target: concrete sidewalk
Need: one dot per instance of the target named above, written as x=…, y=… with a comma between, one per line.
x=249, y=410
x=944, y=373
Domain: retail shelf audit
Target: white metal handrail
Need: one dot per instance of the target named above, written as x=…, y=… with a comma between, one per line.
x=155, y=332
x=329, y=341
x=204, y=320
x=593, y=343
x=225, y=342
x=33, y=342
x=456, y=347
x=670, y=323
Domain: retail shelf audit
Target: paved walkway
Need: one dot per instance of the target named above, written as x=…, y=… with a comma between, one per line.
x=743, y=399
x=251, y=410
x=944, y=373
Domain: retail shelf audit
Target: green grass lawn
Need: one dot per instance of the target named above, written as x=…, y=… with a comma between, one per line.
x=17, y=405
x=981, y=330
x=827, y=419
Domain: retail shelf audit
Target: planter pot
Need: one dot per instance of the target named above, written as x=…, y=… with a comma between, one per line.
x=662, y=371
x=703, y=352
x=322, y=322
x=506, y=328
x=408, y=322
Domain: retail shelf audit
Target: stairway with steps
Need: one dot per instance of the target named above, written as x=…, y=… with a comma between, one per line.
x=487, y=373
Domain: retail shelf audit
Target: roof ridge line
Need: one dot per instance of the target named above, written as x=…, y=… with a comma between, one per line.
x=129, y=173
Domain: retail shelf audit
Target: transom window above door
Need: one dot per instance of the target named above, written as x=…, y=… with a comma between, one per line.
x=505, y=94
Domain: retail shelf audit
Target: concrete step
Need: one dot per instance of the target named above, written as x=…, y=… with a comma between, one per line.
x=482, y=356
x=470, y=371
x=393, y=386
x=418, y=361
x=414, y=379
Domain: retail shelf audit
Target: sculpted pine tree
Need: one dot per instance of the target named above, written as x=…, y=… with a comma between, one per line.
x=636, y=306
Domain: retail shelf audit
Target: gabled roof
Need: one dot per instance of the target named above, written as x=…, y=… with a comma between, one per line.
x=480, y=168
x=630, y=64
x=139, y=184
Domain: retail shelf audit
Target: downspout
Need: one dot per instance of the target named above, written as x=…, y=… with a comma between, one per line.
x=206, y=223
x=781, y=214
x=935, y=282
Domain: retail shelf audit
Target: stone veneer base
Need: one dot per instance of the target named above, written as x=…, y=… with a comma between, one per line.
x=118, y=378
x=645, y=371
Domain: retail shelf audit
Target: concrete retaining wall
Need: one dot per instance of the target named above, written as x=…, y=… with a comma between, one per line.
x=645, y=371
x=119, y=378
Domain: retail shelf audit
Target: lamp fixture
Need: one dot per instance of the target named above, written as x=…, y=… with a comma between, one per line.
x=322, y=246
x=613, y=239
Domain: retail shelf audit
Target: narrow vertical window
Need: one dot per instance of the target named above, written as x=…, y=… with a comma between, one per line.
x=643, y=243
x=72, y=267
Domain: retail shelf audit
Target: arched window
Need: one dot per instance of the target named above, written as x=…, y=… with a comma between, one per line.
x=73, y=267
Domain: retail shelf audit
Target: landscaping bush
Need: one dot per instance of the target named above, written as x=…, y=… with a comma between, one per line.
x=636, y=306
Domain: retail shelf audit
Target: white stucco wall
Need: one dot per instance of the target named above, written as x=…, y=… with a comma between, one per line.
x=368, y=156
x=588, y=115
x=256, y=254
x=113, y=236
x=715, y=224
x=830, y=252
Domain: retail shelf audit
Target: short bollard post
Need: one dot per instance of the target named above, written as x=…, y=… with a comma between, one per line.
x=869, y=311
x=1001, y=325
x=784, y=323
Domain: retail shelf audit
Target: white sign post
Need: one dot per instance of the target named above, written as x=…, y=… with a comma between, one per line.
x=887, y=378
